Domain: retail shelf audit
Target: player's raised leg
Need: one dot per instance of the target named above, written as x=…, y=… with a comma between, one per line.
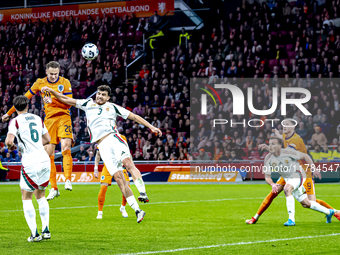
x=101, y=199
x=303, y=199
x=66, y=144
x=122, y=207
x=310, y=191
x=54, y=192
x=127, y=192
x=137, y=178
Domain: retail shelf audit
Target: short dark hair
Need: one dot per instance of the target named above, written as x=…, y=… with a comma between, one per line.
x=279, y=140
x=20, y=103
x=52, y=64
x=105, y=88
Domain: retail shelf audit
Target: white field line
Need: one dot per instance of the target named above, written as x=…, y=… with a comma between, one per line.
x=232, y=244
x=156, y=203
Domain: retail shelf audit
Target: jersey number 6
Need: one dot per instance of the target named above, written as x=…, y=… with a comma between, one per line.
x=34, y=133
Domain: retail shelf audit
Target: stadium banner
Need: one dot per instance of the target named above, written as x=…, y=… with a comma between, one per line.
x=189, y=176
x=141, y=8
x=76, y=177
x=87, y=177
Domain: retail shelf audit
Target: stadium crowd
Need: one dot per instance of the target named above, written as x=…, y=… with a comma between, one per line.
x=274, y=44
x=160, y=96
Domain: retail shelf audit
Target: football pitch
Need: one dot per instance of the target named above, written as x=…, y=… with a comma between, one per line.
x=180, y=219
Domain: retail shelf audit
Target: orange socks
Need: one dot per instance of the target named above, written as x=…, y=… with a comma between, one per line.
x=67, y=164
x=101, y=197
x=124, y=199
x=323, y=203
x=266, y=203
x=53, y=175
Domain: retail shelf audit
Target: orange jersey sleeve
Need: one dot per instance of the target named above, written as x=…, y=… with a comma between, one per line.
x=57, y=108
x=29, y=94
x=296, y=142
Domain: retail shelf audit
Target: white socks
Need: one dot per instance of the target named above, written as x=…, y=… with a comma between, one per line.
x=140, y=185
x=290, y=202
x=29, y=212
x=256, y=217
x=44, y=210
x=317, y=207
x=133, y=203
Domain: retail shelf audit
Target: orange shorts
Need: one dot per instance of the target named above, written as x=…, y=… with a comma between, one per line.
x=59, y=127
x=107, y=178
x=308, y=185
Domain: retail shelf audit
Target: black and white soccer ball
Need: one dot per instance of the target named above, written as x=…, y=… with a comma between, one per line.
x=89, y=51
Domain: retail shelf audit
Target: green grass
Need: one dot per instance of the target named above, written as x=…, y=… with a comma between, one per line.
x=195, y=216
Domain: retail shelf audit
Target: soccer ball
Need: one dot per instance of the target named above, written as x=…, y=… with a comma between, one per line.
x=89, y=51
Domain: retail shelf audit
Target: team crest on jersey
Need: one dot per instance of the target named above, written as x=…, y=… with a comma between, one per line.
x=60, y=88
x=93, y=105
x=286, y=161
x=107, y=108
x=102, y=177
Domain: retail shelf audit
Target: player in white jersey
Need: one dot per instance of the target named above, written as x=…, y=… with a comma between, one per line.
x=32, y=135
x=101, y=120
x=285, y=162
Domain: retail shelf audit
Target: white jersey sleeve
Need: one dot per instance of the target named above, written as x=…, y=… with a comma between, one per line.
x=266, y=166
x=12, y=129
x=122, y=112
x=82, y=103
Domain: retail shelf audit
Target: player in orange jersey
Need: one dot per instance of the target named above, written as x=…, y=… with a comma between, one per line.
x=105, y=181
x=294, y=141
x=57, y=121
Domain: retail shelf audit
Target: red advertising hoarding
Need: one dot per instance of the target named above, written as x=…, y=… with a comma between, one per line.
x=141, y=8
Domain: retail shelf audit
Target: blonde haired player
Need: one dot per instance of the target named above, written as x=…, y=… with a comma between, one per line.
x=285, y=162
x=101, y=120
x=105, y=181
x=58, y=122
x=293, y=141
x=32, y=135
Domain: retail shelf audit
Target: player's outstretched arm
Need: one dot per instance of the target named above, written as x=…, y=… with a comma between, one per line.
x=310, y=162
x=96, y=164
x=277, y=133
x=10, y=140
x=29, y=94
x=267, y=171
x=62, y=98
x=46, y=138
x=142, y=121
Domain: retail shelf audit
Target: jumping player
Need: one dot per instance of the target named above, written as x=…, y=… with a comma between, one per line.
x=32, y=135
x=285, y=162
x=114, y=151
x=57, y=121
x=105, y=181
x=293, y=141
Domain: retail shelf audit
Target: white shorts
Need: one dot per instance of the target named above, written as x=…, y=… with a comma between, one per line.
x=297, y=180
x=35, y=176
x=113, y=150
